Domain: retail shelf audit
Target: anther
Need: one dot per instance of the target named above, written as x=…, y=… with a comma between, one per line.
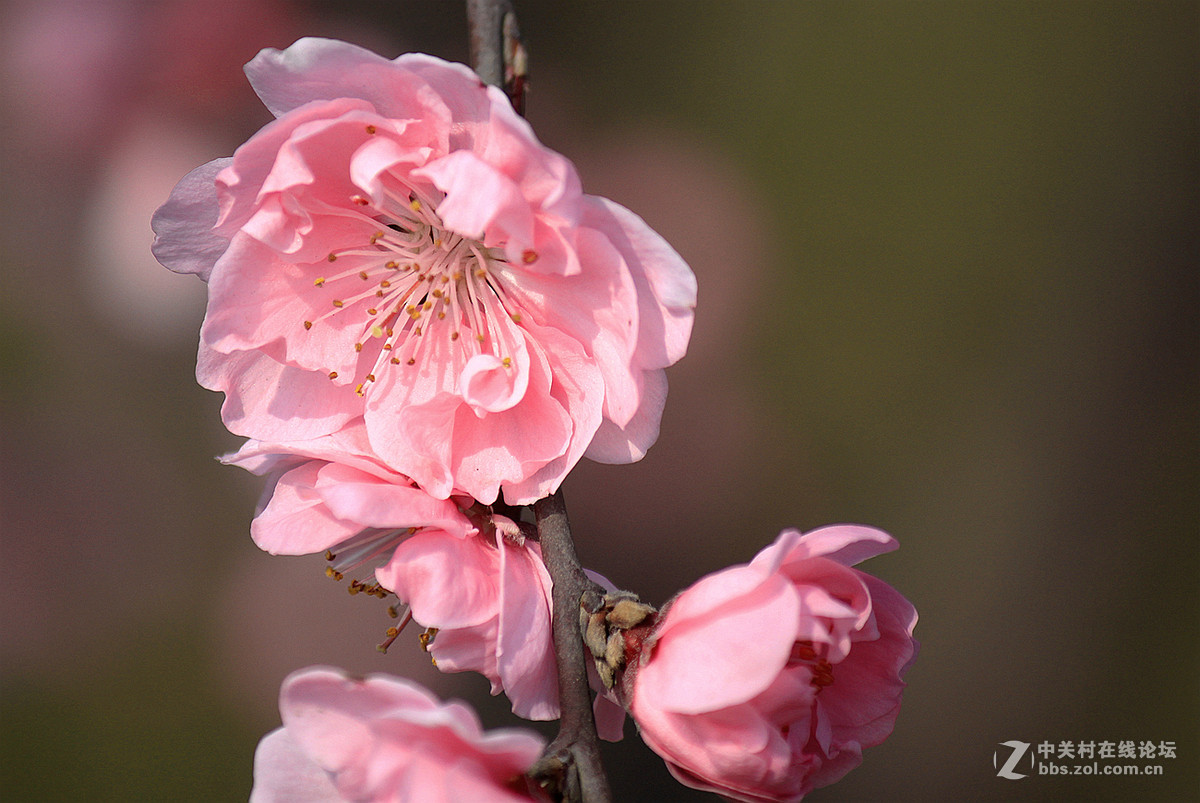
x=372, y=311
x=516, y=317
x=506, y=362
x=333, y=374
x=529, y=257
x=358, y=199
x=332, y=257
x=337, y=302
x=411, y=361
x=370, y=128
x=358, y=346
x=358, y=389
x=319, y=281
x=395, y=360
x=308, y=324
x=454, y=335
x=427, y=637
x=392, y=633
x=385, y=283
x=415, y=205
x=362, y=274
x=370, y=377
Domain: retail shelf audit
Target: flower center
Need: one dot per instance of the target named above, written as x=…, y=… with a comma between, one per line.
x=413, y=279
x=803, y=652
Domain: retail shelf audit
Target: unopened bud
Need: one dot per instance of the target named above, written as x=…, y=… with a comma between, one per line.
x=596, y=635
x=628, y=613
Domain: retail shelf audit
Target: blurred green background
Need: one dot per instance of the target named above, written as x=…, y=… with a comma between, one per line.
x=947, y=259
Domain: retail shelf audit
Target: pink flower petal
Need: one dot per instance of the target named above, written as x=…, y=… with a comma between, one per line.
x=740, y=640
x=524, y=649
x=267, y=400
x=370, y=502
x=469, y=649
x=666, y=286
x=448, y=582
x=479, y=199
x=628, y=444
x=183, y=237
x=322, y=69
x=283, y=773
x=296, y=521
x=348, y=446
x=847, y=544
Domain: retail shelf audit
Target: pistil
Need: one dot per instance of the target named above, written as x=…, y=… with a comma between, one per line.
x=416, y=274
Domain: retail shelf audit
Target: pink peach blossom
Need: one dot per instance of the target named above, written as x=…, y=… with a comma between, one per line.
x=382, y=738
x=398, y=247
x=764, y=681
x=461, y=570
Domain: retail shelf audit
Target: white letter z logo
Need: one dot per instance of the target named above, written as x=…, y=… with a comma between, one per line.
x=1018, y=750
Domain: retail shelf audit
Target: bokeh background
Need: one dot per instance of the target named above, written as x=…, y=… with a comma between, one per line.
x=947, y=258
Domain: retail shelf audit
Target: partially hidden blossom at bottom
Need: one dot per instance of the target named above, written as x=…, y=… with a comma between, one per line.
x=764, y=681
x=382, y=738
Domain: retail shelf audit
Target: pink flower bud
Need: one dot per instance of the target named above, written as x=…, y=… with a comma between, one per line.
x=764, y=681
x=383, y=738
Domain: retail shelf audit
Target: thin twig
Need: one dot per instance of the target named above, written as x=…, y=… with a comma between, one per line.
x=485, y=24
x=571, y=766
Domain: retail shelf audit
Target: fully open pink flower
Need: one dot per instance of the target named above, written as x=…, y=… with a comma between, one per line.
x=398, y=246
x=764, y=681
x=382, y=738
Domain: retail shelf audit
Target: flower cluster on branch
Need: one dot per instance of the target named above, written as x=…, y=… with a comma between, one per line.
x=421, y=324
